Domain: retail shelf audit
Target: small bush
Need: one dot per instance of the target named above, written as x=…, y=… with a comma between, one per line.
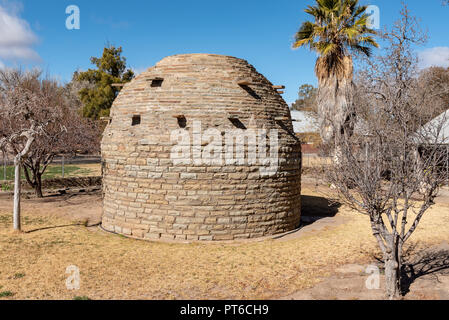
x=5, y=187
x=5, y=294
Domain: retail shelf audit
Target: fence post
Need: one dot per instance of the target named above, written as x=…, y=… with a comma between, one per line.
x=63, y=167
x=4, y=166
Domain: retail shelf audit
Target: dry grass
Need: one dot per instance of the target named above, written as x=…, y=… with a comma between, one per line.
x=315, y=161
x=92, y=169
x=85, y=170
x=113, y=267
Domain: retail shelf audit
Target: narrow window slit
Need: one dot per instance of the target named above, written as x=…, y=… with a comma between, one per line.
x=136, y=120
x=182, y=121
x=157, y=83
x=237, y=123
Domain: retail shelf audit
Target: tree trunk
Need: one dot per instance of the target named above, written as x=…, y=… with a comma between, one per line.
x=38, y=185
x=334, y=100
x=393, y=268
x=35, y=179
x=391, y=279
x=17, y=190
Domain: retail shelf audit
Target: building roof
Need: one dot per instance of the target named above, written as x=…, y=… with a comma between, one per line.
x=437, y=130
x=303, y=122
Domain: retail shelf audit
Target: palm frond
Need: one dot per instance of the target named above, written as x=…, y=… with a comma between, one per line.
x=362, y=49
x=339, y=27
x=305, y=34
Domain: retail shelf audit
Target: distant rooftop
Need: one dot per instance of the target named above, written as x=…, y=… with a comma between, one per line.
x=437, y=130
x=303, y=123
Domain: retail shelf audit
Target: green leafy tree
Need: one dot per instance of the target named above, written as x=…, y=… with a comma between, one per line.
x=111, y=68
x=306, y=98
x=338, y=30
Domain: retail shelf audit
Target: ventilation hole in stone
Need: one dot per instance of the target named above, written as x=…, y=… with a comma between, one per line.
x=157, y=83
x=136, y=120
x=182, y=122
x=237, y=123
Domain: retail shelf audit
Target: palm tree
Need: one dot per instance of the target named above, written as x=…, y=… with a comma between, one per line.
x=339, y=30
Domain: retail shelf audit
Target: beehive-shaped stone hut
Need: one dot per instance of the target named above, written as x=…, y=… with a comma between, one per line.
x=173, y=163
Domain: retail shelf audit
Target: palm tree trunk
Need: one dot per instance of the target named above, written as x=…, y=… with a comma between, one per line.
x=334, y=107
x=335, y=103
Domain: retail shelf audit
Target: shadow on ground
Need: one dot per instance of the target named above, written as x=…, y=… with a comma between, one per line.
x=57, y=227
x=317, y=213
x=317, y=208
x=425, y=276
x=63, y=197
x=428, y=265
x=430, y=262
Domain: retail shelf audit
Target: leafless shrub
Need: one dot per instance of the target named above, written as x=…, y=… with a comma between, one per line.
x=393, y=165
x=36, y=124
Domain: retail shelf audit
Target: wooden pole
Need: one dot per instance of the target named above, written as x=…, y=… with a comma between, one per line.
x=17, y=187
x=4, y=166
x=63, y=167
x=245, y=83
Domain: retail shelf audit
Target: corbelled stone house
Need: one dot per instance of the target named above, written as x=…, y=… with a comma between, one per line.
x=201, y=147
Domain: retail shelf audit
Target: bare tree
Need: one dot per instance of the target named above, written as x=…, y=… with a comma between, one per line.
x=19, y=125
x=78, y=135
x=390, y=169
x=64, y=130
x=28, y=137
x=68, y=135
x=72, y=93
x=436, y=80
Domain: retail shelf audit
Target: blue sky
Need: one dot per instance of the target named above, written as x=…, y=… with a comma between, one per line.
x=33, y=33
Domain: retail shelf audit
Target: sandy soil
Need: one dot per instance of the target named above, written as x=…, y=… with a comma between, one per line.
x=325, y=259
x=72, y=206
x=349, y=282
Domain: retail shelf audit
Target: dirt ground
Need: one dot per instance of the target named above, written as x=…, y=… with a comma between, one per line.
x=349, y=281
x=325, y=259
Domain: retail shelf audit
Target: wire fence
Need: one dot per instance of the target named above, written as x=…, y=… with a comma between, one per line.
x=62, y=161
x=314, y=160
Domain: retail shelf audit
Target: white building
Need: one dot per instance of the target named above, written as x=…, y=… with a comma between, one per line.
x=303, y=123
x=437, y=130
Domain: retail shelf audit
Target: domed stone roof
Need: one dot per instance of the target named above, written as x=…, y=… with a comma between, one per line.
x=200, y=147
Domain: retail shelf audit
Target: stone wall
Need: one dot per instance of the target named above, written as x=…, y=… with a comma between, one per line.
x=148, y=196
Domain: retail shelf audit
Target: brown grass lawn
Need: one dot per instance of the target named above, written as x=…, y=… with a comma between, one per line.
x=91, y=169
x=33, y=264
